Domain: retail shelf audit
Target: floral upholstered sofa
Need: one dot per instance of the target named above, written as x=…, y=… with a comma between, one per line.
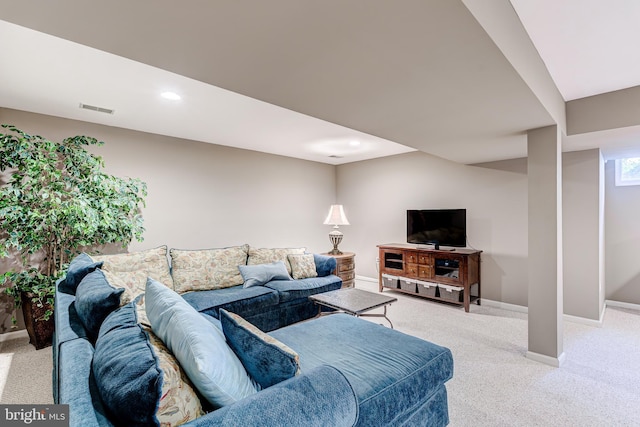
x=134, y=346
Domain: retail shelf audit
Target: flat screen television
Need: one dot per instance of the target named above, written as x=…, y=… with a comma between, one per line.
x=446, y=227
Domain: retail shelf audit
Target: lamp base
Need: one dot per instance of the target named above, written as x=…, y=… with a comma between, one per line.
x=335, y=237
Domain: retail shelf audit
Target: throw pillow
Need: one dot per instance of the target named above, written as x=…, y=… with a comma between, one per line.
x=325, y=265
x=79, y=267
x=199, y=270
x=134, y=268
x=267, y=360
x=302, y=266
x=198, y=345
x=96, y=298
x=138, y=379
x=258, y=275
x=267, y=255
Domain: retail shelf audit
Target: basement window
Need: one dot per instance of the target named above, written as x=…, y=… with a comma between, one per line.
x=628, y=171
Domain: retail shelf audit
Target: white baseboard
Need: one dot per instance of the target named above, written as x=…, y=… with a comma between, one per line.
x=504, y=305
x=556, y=362
x=524, y=309
x=619, y=304
x=13, y=335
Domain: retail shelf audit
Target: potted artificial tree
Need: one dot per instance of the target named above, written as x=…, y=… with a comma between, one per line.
x=55, y=200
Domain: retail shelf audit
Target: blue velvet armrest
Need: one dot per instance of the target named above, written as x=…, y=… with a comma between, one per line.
x=320, y=397
x=77, y=386
x=68, y=328
x=324, y=264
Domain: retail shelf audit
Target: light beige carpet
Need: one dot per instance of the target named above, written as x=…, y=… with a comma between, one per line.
x=493, y=385
x=25, y=374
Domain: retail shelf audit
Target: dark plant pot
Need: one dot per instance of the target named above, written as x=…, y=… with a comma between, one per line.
x=40, y=331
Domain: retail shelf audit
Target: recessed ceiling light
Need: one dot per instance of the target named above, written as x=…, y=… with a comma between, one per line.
x=354, y=143
x=170, y=95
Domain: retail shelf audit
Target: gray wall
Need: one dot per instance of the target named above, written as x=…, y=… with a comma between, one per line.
x=377, y=193
x=583, y=233
x=204, y=195
x=622, y=224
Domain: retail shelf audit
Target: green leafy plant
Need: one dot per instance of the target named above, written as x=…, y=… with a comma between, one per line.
x=57, y=200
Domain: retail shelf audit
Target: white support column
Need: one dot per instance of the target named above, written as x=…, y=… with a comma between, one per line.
x=545, y=245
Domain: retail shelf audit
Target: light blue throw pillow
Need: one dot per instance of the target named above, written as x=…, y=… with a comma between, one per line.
x=259, y=274
x=198, y=345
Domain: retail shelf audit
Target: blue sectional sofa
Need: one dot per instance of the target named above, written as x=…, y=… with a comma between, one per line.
x=348, y=371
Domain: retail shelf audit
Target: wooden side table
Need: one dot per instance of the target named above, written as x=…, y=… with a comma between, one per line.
x=346, y=268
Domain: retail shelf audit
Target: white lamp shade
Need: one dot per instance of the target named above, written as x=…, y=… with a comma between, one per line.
x=336, y=216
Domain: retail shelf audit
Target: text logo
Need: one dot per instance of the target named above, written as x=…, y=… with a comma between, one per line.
x=34, y=415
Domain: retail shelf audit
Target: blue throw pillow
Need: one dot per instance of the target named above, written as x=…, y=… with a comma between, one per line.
x=126, y=370
x=259, y=274
x=325, y=265
x=266, y=359
x=198, y=345
x=79, y=267
x=96, y=298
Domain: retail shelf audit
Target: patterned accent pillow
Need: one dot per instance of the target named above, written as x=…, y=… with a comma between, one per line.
x=267, y=360
x=302, y=266
x=179, y=402
x=200, y=270
x=134, y=268
x=269, y=255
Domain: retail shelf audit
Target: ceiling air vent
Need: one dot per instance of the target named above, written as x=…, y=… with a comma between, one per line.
x=333, y=156
x=98, y=109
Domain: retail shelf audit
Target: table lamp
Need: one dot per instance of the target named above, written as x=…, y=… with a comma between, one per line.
x=336, y=218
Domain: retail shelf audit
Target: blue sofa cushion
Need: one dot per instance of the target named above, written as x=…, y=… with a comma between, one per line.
x=266, y=359
x=325, y=265
x=259, y=274
x=290, y=290
x=126, y=371
x=198, y=345
x=390, y=372
x=244, y=301
x=79, y=267
x=96, y=298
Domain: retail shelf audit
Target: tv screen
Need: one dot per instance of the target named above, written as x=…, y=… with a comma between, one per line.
x=446, y=227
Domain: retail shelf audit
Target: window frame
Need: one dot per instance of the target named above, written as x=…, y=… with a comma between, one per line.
x=620, y=181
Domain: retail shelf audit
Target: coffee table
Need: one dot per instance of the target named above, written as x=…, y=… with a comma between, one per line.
x=355, y=302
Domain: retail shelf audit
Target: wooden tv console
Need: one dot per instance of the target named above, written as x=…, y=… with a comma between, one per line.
x=456, y=269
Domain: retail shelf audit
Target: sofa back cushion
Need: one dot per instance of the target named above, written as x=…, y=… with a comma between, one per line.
x=267, y=360
x=134, y=268
x=198, y=345
x=79, y=267
x=96, y=298
x=268, y=255
x=207, y=269
x=138, y=379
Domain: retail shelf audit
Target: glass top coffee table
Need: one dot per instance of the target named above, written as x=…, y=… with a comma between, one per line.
x=355, y=302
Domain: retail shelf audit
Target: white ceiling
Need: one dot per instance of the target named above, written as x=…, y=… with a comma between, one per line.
x=297, y=79
x=56, y=75
x=589, y=46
